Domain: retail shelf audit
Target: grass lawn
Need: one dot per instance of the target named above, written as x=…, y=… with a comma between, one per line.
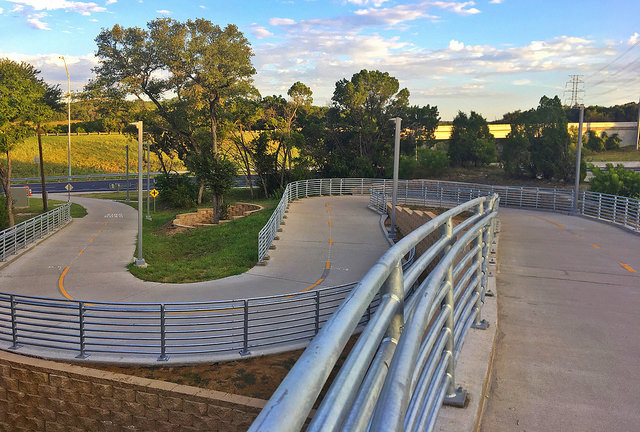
x=624, y=154
x=199, y=254
x=35, y=208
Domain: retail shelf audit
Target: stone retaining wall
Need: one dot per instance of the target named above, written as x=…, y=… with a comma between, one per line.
x=205, y=216
x=408, y=220
x=41, y=395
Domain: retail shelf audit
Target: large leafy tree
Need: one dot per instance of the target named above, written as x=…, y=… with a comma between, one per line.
x=187, y=70
x=471, y=142
x=22, y=93
x=539, y=143
x=360, y=121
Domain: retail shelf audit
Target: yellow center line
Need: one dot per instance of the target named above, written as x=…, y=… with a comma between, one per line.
x=99, y=230
x=627, y=267
x=328, y=265
x=90, y=240
x=329, y=223
x=576, y=235
x=595, y=246
x=555, y=223
x=79, y=253
x=112, y=210
x=330, y=241
x=106, y=223
x=61, y=284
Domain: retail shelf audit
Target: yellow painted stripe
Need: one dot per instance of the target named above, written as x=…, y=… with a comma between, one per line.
x=328, y=265
x=314, y=285
x=627, y=267
x=61, y=284
x=330, y=241
x=576, y=235
x=90, y=240
x=555, y=223
x=106, y=223
x=328, y=211
x=112, y=210
x=329, y=223
x=99, y=230
x=595, y=246
x=80, y=253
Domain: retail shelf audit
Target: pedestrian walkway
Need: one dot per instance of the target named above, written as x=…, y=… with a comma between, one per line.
x=325, y=241
x=567, y=350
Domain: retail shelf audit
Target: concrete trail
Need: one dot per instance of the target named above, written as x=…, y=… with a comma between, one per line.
x=326, y=241
x=566, y=355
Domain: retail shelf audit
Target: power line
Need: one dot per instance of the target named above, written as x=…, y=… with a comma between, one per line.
x=574, y=88
x=635, y=44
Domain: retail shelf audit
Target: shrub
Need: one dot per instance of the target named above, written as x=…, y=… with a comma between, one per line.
x=616, y=181
x=432, y=162
x=177, y=191
x=4, y=216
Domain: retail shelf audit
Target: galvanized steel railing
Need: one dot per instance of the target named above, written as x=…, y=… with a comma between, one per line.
x=612, y=208
x=23, y=234
x=403, y=363
x=159, y=330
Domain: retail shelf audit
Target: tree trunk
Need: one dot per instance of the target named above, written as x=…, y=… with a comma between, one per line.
x=5, y=179
x=216, y=210
x=45, y=206
x=200, y=192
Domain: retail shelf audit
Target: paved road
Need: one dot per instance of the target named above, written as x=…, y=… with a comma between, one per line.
x=568, y=340
x=87, y=260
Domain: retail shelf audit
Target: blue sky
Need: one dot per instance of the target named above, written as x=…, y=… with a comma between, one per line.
x=491, y=56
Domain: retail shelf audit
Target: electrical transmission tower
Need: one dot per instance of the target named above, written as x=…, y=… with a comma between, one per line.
x=573, y=90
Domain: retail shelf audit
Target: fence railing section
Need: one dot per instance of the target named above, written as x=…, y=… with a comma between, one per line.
x=612, y=208
x=21, y=235
x=402, y=366
x=160, y=330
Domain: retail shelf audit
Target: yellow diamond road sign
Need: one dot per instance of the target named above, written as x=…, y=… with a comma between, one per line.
x=68, y=187
x=154, y=193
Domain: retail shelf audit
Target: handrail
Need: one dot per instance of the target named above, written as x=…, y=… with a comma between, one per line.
x=24, y=233
x=452, y=294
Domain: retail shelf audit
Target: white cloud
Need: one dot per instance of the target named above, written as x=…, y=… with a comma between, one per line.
x=84, y=8
x=454, y=45
x=37, y=24
x=376, y=3
x=1, y=10
x=634, y=39
x=109, y=2
x=17, y=8
x=521, y=82
x=281, y=22
x=203, y=7
x=458, y=7
x=260, y=32
x=164, y=12
x=495, y=1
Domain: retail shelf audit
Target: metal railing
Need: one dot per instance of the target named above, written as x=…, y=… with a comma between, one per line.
x=611, y=208
x=402, y=366
x=21, y=235
x=160, y=330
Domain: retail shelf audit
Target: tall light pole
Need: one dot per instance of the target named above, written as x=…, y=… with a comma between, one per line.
x=148, y=217
x=69, y=127
x=396, y=161
x=576, y=191
x=139, y=261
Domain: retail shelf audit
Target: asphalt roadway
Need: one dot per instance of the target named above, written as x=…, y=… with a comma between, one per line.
x=568, y=345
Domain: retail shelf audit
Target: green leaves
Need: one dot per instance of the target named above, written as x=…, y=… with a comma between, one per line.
x=616, y=181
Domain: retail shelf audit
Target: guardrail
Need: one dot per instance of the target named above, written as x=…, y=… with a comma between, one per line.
x=23, y=234
x=403, y=364
x=612, y=208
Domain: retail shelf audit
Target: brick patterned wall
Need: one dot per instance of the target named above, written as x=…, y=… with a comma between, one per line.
x=41, y=395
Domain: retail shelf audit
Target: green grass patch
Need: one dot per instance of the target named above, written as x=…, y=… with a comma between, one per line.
x=204, y=253
x=624, y=154
x=35, y=208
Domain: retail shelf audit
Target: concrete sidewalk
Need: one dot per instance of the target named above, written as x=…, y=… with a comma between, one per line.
x=567, y=350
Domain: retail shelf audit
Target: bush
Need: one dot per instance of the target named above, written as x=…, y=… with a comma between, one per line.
x=4, y=216
x=177, y=191
x=432, y=162
x=616, y=181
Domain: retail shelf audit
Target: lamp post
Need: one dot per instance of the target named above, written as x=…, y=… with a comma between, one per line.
x=148, y=217
x=69, y=127
x=576, y=192
x=127, y=150
x=139, y=261
x=396, y=161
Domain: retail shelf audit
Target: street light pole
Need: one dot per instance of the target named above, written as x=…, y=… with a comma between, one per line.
x=396, y=161
x=127, y=150
x=576, y=191
x=69, y=126
x=139, y=261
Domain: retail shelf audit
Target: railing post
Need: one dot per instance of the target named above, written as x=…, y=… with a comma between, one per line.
x=480, y=260
x=615, y=207
x=317, y=317
x=599, y=204
x=82, y=354
x=163, y=335
x=306, y=188
x=245, y=335
x=330, y=186
x=341, y=184
x=626, y=210
x=453, y=396
x=584, y=198
x=14, y=324
x=320, y=194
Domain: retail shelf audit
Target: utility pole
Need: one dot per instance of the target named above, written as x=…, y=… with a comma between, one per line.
x=576, y=195
x=69, y=128
x=573, y=89
x=638, y=129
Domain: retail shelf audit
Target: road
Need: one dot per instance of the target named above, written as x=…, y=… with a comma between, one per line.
x=567, y=350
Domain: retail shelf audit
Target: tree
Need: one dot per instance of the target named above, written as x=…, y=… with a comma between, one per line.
x=471, y=142
x=616, y=181
x=539, y=143
x=187, y=70
x=419, y=125
x=361, y=131
x=20, y=93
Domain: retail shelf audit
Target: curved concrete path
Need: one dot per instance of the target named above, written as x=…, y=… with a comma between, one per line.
x=568, y=346
x=326, y=241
